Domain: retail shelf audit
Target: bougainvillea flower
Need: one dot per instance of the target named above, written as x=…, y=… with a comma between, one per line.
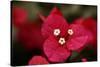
x=30, y=36
x=62, y=38
x=91, y=25
x=19, y=16
x=38, y=60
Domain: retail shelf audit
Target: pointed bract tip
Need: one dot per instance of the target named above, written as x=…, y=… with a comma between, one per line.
x=55, y=10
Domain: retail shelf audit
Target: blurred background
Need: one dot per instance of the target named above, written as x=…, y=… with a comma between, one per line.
x=69, y=11
x=28, y=12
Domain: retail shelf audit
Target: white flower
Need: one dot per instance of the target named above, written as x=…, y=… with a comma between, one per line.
x=56, y=32
x=70, y=32
x=62, y=41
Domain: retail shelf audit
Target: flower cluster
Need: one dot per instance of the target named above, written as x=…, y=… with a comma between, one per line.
x=56, y=37
x=63, y=38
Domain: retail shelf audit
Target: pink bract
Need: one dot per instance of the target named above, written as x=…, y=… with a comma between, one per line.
x=53, y=21
x=91, y=25
x=54, y=51
x=38, y=60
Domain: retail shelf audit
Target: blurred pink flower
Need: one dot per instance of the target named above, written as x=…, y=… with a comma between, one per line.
x=91, y=25
x=30, y=36
x=38, y=60
x=19, y=16
x=62, y=38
